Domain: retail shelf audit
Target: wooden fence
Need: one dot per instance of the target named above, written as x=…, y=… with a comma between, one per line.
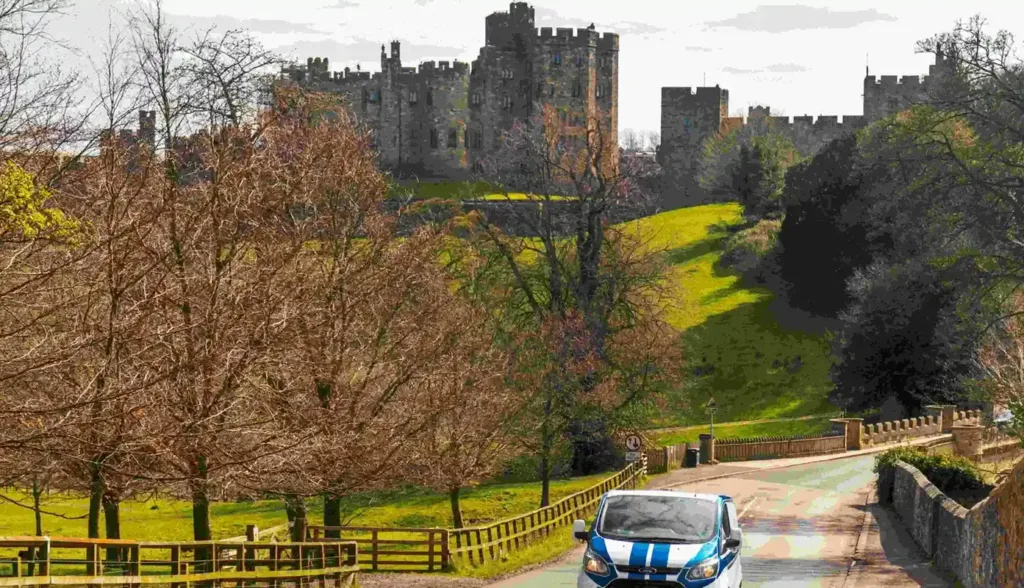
x=777, y=447
x=665, y=459
x=477, y=545
x=395, y=549
x=43, y=561
x=428, y=550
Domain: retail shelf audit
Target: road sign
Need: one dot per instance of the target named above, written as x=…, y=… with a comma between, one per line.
x=632, y=456
x=634, y=443
x=711, y=406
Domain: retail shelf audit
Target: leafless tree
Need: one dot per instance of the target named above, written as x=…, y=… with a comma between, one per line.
x=588, y=292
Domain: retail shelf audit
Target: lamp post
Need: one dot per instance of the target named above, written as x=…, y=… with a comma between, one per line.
x=711, y=407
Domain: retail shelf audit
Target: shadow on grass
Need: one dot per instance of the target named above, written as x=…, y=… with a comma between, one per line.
x=750, y=365
x=686, y=253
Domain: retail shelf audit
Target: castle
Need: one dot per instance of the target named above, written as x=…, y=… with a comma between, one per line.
x=690, y=117
x=442, y=119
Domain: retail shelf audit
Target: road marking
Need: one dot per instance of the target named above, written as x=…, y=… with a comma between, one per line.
x=747, y=507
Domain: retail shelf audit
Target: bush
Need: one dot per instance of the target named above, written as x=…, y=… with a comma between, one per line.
x=748, y=250
x=952, y=475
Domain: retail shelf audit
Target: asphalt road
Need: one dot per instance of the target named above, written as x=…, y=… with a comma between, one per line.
x=800, y=525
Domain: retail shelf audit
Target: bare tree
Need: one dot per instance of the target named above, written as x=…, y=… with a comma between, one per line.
x=379, y=325
x=1002, y=364
x=577, y=290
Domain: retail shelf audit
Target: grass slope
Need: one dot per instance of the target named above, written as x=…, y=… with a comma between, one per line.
x=808, y=427
x=735, y=349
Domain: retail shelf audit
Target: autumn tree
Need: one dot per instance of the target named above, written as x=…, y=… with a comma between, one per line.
x=576, y=292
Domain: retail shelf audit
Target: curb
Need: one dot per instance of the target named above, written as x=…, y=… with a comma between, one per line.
x=852, y=572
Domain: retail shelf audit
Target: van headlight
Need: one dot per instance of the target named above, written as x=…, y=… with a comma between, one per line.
x=594, y=564
x=705, y=570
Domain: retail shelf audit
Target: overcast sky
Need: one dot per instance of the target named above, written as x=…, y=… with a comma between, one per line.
x=805, y=58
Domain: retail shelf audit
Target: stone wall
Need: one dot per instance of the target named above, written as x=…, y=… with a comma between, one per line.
x=982, y=546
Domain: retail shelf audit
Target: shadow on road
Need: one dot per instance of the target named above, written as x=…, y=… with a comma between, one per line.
x=901, y=550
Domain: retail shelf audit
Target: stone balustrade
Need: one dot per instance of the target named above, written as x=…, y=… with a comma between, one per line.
x=942, y=421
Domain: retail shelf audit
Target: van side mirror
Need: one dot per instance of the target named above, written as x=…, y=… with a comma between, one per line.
x=732, y=543
x=579, y=530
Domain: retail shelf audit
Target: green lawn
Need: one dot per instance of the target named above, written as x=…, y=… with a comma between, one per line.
x=171, y=520
x=735, y=348
x=789, y=428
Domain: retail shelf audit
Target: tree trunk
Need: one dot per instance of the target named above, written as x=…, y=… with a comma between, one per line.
x=297, y=507
x=453, y=495
x=201, y=515
x=112, y=518
x=332, y=515
x=97, y=488
x=37, y=507
x=545, y=454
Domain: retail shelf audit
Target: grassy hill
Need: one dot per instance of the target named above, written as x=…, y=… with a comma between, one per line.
x=736, y=350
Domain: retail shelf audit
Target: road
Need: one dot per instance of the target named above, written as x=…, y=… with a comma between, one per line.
x=800, y=527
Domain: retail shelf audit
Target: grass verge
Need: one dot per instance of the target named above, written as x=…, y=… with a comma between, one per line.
x=170, y=520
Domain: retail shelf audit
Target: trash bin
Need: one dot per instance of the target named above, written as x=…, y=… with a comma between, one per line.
x=692, y=458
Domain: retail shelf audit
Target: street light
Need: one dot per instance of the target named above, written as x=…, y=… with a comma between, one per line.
x=711, y=407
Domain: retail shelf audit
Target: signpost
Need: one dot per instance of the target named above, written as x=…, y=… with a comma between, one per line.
x=633, y=445
x=711, y=407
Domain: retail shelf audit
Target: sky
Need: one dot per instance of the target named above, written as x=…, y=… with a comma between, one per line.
x=806, y=58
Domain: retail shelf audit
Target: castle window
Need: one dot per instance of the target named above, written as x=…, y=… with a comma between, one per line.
x=433, y=138
x=506, y=102
x=414, y=97
x=557, y=58
x=686, y=122
x=413, y=135
x=577, y=89
x=478, y=140
x=476, y=99
x=508, y=74
x=430, y=97
x=579, y=60
x=551, y=91
x=375, y=96
x=453, y=139
x=600, y=91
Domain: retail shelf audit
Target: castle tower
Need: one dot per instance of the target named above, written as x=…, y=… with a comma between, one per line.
x=889, y=94
x=147, y=129
x=687, y=119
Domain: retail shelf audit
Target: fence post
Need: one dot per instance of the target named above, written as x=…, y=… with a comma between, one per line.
x=490, y=542
x=446, y=554
x=430, y=551
x=374, y=546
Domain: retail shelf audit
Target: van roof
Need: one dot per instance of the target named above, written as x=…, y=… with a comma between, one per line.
x=673, y=493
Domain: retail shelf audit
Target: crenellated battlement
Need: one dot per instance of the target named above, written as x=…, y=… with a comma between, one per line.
x=316, y=70
x=896, y=81
x=576, y=38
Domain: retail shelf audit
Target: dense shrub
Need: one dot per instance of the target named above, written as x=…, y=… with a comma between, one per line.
x=749, y=250
x=952, y=475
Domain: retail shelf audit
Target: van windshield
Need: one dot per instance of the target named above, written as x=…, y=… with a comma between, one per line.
x=669, y=519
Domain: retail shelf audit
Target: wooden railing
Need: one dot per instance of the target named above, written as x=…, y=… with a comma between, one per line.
x=417, y=550
x=477, y=545
x=770, y=448
x=42, y=561
x=395, y=549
